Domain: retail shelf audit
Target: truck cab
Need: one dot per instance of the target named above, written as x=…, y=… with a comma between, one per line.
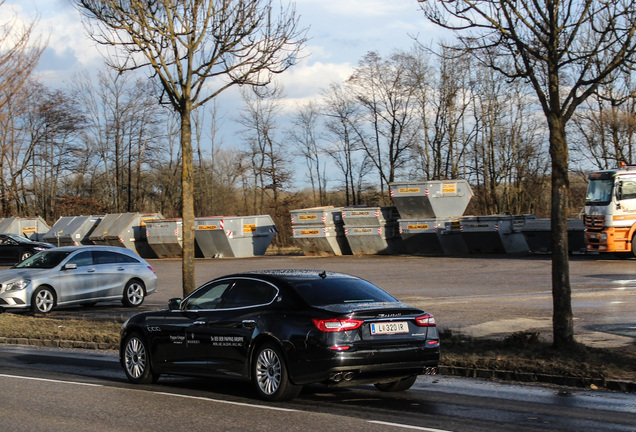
x=610, y=210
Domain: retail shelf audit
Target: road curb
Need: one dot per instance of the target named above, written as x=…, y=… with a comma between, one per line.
x=569, y=381
x=492, y=374
x=59, y=343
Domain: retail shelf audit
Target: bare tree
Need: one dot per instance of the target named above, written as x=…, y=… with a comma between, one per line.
x=383, y=89
x=123, y=127
x=269, y=162
x=564, y=49
x=19, y=55
x=304, y=136
x=605, y=129
x=443, y=99
x=196, y=49
x=341, y=112
x=508, y=162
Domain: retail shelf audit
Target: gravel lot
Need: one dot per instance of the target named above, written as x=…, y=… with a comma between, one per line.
x=477, y=295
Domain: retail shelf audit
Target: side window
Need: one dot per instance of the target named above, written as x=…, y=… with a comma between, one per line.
x=82, y=259
x=207, y=297
x=627, y=189
x=122, y=258
x=249, y=292
x=104, y=257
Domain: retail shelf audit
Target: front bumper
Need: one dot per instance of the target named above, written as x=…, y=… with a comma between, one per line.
x=13, y=299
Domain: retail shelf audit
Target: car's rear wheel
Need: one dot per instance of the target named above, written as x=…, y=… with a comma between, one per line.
x=137, y=361
x=134, y=293
x=270, y=376
x=43, y=300
x=399, y=385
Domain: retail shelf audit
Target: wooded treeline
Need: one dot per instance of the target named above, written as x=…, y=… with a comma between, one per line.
x=103, y=144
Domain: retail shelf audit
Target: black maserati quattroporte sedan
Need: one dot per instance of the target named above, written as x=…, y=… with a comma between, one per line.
x=282, y=329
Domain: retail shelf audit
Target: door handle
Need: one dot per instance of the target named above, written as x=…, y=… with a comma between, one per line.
x=91, y=270
x=249, y=324
x=120, y=269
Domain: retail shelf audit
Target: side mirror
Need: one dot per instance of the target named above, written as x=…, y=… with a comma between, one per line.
x=70, y=266
x=174, y=304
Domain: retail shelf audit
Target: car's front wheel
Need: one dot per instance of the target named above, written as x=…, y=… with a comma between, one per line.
x=399, y=385
x=134, y=293
x=43, y=300
x=25, y=255
x=269, y=373
x=136, y=359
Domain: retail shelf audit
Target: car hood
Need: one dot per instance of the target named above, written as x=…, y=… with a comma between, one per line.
x=43, y=245
x=13, y=273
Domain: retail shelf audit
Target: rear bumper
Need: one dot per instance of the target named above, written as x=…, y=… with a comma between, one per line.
x=366, y=366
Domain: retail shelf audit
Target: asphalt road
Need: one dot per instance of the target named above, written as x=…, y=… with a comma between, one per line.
x=477, y=295
x=63, y=390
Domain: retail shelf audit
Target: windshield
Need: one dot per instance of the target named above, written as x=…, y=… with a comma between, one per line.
x=599, y=192
x=18, y=238
x=330, y=291
x=45, y=259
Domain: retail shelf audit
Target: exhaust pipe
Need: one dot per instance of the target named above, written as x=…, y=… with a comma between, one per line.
x=348, y=376
x=430, y=371
x=336, y=377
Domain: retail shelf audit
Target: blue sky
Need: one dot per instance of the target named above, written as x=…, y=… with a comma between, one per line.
x=340, y=32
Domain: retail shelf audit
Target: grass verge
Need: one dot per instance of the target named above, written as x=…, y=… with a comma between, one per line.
x=524, y=352
x=518, y=352
x=44, y=328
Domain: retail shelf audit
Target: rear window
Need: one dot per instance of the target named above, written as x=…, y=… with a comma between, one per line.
x=328, y=291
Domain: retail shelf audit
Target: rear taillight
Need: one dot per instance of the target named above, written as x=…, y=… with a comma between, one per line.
x=336, y=325
x=426, y=320
x=151, y=269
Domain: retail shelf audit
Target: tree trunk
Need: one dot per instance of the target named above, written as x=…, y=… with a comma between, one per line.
x=187, y=200
x=562, y=320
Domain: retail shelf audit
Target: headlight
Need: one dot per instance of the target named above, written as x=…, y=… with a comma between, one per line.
x=17, y=285
x=39, y=248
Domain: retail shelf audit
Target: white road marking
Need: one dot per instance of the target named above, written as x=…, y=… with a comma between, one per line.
x=407, y=426
x=227, y=402
x=50, y=380
x=148, y=391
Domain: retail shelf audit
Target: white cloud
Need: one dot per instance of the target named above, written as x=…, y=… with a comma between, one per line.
x=308, y=79
x=58, y=24
x=361, y=8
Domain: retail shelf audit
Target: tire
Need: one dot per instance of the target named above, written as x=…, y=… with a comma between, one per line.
x=399, y=385
x=136, y=361
x=43, y=300
x=25, y=255
x=134, y=293
x=269, y=374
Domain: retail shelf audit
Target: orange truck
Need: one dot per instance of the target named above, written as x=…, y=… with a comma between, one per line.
x=610, y=210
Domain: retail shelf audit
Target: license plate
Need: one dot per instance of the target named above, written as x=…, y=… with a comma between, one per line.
x=389, y=327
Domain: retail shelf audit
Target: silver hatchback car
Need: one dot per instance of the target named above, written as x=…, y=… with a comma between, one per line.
x=76, y=275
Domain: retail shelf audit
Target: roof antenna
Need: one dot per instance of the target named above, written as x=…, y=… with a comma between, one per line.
x=322, y=274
